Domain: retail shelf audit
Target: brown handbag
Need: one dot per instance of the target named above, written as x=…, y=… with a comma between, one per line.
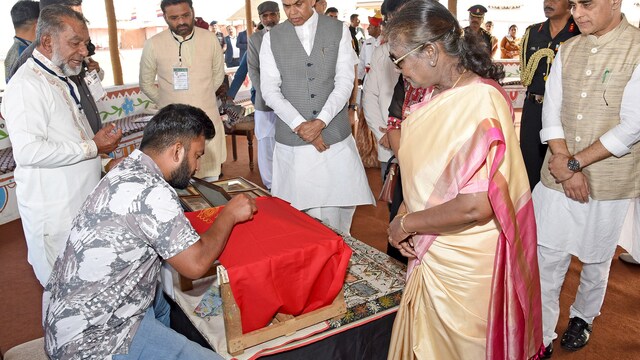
x=386, y=194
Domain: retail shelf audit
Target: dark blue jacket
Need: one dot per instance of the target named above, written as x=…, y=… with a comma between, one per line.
x=228, y=54
x=241, y=42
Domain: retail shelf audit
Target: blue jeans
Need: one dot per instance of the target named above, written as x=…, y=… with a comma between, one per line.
x=154, y=339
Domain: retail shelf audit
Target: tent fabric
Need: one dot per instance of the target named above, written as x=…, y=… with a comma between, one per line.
x=282, y=261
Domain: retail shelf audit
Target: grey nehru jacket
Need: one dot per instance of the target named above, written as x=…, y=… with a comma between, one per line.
x=308, y=80
x=253, y=62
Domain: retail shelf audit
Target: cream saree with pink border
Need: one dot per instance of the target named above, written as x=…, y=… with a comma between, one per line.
x=475, y=293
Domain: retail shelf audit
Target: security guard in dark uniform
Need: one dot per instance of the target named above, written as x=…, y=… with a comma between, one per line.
x=476, y=19
x=539, y=46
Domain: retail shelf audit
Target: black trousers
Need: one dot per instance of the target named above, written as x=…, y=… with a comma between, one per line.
x=533, y=150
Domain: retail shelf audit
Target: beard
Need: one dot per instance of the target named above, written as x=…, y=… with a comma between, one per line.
x=180, y=177
x=270, y=24
x=67, y=69
x=184, y=30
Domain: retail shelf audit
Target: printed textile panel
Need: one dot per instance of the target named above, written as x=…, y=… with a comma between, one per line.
x=7, y=164
x=374, y=283
x=123, y=101
x=132, y=124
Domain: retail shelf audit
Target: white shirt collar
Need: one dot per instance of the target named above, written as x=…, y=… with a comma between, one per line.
x=307, y=32
x=48, y=63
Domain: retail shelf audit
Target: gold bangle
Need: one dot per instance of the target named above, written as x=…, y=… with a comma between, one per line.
x=400, y=215
x=402, y=226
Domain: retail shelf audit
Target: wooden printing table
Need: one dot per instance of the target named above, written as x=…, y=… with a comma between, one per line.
x=372, y=292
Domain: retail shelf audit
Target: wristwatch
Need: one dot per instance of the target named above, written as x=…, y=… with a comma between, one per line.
x=573, y=164
x=353, y=107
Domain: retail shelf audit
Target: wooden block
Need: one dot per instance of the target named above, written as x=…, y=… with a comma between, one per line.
x=282, y=325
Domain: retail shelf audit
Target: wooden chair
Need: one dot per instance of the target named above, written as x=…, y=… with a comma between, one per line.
x=244, y=128
x=31, y=350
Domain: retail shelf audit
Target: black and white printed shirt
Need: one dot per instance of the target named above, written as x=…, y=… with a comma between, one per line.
x=105, y=279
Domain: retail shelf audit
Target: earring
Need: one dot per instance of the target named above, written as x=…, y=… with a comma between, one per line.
x=433, y=63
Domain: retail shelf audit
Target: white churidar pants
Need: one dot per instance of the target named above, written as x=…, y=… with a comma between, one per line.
x=593, y=286
x=265, y=134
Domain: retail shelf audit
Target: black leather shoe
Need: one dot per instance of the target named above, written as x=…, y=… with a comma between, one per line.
x=577, y=334
x=548, y=351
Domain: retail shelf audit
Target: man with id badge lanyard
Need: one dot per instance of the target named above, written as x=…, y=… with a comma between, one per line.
x=55, y=150
x=187, y=62
x=90, y=72
x=189, y=67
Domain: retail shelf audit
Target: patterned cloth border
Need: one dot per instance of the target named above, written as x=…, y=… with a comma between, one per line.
x=7, y=163
x=373, y=284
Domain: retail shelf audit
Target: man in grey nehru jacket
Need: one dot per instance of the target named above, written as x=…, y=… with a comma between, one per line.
x=306, y=75
x=265, y=119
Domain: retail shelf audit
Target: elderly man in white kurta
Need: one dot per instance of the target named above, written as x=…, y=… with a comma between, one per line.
x=56, y=153
x=189, y=66
x=307, y=72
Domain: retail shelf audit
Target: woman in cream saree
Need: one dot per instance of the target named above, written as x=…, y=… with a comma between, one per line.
x=473, y=289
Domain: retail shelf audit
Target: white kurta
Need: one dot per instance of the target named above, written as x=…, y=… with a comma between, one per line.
x=302, y=175
x=630, y=236
x=589, y=231
x=265, y=130
x=377, y=94
x=365, y=55
x=56, y=159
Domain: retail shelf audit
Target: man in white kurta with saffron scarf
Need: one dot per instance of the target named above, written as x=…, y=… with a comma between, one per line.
x=187, y=61
x=307, y=71
x=56, y=153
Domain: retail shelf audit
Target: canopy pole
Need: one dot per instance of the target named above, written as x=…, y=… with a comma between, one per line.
x=453, y=7
x=247, y=13
x=116, y=67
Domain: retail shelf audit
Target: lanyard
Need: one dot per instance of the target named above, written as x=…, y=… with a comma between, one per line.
x=63, y=78
x=180, y=46
x=23, y=41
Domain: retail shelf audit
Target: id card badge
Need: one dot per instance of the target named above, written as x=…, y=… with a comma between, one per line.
x=92, y=79
x=180, y=78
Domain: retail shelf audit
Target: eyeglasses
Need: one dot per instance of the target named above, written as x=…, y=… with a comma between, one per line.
x=399, y=60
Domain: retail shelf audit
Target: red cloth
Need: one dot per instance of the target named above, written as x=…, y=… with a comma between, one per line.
x=201, y=23
x=282, y=261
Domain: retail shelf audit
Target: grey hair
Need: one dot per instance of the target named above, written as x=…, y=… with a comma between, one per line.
x=419, y=22
x=51, y=21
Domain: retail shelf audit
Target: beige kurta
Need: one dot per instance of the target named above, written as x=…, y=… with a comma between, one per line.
x=206, y=72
